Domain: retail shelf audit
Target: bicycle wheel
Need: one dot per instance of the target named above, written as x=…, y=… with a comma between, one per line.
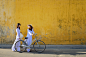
x=21, y=45
x=39, y=46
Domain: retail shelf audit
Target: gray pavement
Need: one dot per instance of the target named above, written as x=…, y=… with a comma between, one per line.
x=51, y=51
x=46, y=53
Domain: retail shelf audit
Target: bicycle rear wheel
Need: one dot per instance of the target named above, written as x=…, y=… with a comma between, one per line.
x=39, y=46
x=21, y=45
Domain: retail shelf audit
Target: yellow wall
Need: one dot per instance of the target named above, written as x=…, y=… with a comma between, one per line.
x=64, y=21
x=7, y=23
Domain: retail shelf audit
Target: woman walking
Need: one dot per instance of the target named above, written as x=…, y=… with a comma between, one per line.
x=17, y=38
x=29, y=35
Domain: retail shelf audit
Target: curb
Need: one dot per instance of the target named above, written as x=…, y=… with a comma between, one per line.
x=54, y=46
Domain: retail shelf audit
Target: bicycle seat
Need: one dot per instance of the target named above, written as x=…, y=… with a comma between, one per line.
x=26, y=37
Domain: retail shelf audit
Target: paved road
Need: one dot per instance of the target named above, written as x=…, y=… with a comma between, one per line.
x=47, y=53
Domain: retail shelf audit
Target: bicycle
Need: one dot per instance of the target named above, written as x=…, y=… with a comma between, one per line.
x=39, y=46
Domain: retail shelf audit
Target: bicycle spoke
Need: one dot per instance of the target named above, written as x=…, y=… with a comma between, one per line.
x=39, y=46
x=20, y=45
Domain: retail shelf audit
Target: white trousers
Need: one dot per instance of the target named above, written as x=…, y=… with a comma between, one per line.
x=17, y=45
x=29, y=40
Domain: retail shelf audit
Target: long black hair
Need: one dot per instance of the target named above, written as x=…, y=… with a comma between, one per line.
x=18, y=25
x=31, y=27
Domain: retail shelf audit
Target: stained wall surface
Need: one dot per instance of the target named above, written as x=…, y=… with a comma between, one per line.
x=7, y=23
x=63, y=21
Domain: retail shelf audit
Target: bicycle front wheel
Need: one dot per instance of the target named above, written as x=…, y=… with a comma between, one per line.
x=20, y=46
x=39, y=46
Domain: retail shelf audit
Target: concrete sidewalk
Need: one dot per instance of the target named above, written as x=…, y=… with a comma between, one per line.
x=54, y=46
x=46, y=53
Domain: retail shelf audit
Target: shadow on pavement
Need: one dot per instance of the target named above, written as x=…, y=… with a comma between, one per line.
x=58, y=51
x=62, y=51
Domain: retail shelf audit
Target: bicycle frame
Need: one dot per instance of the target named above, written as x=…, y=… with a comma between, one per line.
x=32, y=41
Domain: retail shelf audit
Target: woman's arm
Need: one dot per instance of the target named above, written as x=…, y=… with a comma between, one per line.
x=33, y=31
x=30, y=33
x=18, y=33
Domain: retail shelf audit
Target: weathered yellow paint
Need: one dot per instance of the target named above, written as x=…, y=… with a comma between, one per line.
x=64, y=21
x=7, y=23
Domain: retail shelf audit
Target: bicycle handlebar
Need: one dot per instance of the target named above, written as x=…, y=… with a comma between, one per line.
x=35, y=34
